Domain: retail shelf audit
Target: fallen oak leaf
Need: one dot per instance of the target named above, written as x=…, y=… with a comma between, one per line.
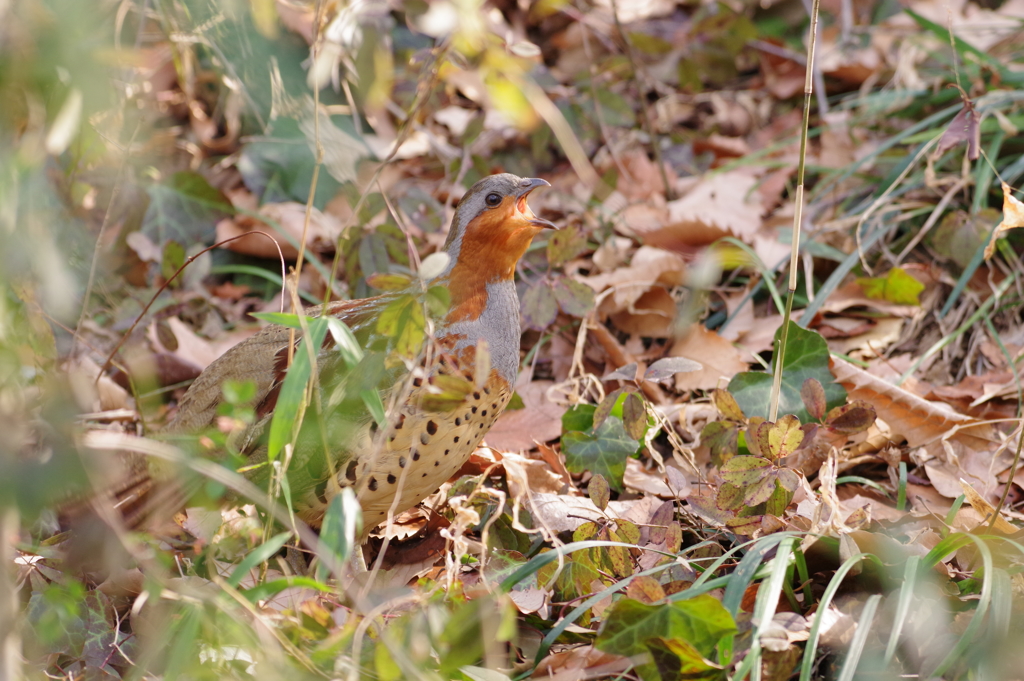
x=1013, y=218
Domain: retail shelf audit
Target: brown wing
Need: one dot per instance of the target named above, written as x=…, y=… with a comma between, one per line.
x=263, y=358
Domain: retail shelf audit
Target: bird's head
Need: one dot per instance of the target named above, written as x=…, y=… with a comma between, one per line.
x=493, y=225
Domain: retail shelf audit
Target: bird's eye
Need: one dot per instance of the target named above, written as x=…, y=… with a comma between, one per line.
x=493, y=199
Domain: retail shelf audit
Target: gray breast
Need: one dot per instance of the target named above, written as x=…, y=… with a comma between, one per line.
x=499, y=326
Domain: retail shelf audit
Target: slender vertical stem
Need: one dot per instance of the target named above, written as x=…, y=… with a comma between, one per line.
x=10, y=641
x=780, y=351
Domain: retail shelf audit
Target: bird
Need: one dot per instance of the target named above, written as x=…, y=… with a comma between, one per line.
x=442, y=401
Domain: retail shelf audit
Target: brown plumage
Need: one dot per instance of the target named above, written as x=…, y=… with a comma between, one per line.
x=394, y=466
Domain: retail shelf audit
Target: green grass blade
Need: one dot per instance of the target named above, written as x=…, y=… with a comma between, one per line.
x=260, y=554
x=811, y=649
x=859, y=638
x=910, y=573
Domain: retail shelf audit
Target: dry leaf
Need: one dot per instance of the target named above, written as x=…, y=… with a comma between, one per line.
x=1013, y=218
x=985, y=509
x=720, y=360
x=921, y=422
x=540, y=420
x=321, y=236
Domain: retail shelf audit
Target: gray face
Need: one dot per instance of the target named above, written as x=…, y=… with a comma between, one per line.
x=475, y=202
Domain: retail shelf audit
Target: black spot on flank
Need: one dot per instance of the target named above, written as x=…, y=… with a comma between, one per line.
x=431, y=427
x=473, y=409
x=417, y=382
x=454, y=439
x=483, y=413
x=415, y=455
x=391, y=479
x=424, y=475
x=401, y=462
x=437, y=463
x=466, y=416
x=350, y=471
x=400, y=422
x=487, y=391
x=445, y=453
x=476, y=396
x=481, y=425
x=424, y=438
x=494, y=405
x=373, y=484
x=458, y=421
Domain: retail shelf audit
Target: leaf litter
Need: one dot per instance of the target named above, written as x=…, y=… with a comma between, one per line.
x=638, y=435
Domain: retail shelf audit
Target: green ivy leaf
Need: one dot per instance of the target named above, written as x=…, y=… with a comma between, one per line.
x=676, y=659
x=702, y=622
x=185, y=208
x=807, y=356
x=580, y=417
x=605, y=452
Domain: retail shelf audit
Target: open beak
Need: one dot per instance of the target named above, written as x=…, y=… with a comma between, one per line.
x=526, y=186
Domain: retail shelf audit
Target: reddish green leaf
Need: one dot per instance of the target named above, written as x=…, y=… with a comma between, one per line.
x=759, y=492
x=727, y=406
x=722, y=438
x=784, y=437
x=598, y=491
x=645, y=589
x=851, y=418
x=634, y=416
x=745, y=526
x=539, y=306
x=753, y=444
x=605, y=408
x=762, y=436
x=788, y=478
x=660, y=520
x=564, y=245
x=730, y=497
x=813, y=395
x=574, y=298
x=746, y=470
x=627, y=531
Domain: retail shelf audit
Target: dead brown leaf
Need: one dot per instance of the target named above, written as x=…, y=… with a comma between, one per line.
x=1013, y=218
x=540, y=420
x=720, y=360
x=919, y=421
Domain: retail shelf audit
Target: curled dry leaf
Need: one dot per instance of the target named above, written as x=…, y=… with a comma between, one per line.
x=540, y=420
x=719, y=359
x=919, y=421
x=290, y=216
x=649, y=267
x=1013, y=218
